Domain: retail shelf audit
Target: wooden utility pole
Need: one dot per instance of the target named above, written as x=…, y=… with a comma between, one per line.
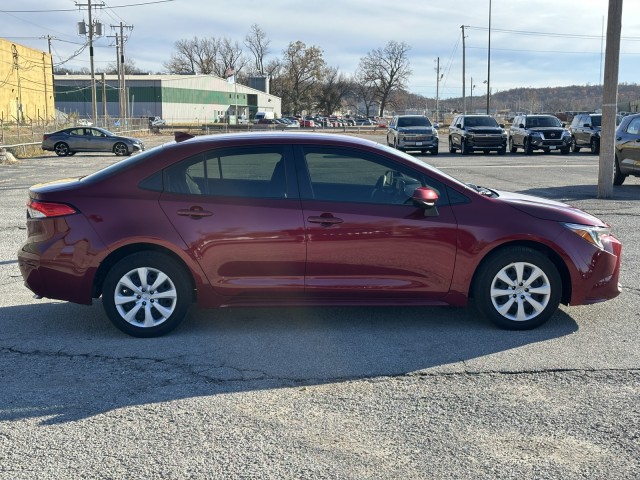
x=610, y=100
x=464, y=73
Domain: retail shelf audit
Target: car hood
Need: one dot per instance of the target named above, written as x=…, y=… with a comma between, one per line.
x=546, y=209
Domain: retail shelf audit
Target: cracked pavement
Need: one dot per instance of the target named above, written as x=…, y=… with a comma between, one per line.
x=328, y=392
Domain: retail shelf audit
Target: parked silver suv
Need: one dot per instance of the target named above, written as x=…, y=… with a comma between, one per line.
x=413, y=132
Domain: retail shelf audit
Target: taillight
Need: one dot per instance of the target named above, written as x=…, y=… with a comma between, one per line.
x=38, y=209
x=45, y=136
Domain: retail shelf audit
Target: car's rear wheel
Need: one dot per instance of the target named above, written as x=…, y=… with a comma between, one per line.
x=595, y=146
x=120, y=149
x=618, y=176
x=61, y=149
x=146, y=294
x=517, y=288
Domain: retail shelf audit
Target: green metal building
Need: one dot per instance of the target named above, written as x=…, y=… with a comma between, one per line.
x=176, y=98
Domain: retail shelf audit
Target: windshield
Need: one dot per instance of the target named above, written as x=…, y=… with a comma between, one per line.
x=414, y=122
x=533, y=122
x=480, y=122
x=596, y=120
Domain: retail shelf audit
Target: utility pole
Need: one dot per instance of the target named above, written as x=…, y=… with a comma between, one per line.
x=16, y=66
x=609, y=100
x=438, y=78
x=464, y=87
x=92, y=32
x=489, y=64
x=120, y=40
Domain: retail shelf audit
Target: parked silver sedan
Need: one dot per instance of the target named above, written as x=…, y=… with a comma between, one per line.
x=89, y=139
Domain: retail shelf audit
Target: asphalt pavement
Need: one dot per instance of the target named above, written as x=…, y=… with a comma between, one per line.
x=335, y=393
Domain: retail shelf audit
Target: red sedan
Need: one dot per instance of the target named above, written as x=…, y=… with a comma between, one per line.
x=305, y=219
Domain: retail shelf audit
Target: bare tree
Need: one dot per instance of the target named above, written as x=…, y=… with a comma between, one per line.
x=387, y=69
x=364, y=91
x=194, y=56
x=258, y=44
x=230, y=58
x=300, y=73
x=129, y=67
x=333, y=90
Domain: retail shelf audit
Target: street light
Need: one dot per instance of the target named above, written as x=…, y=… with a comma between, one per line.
x=472, y=86
x=488, y=82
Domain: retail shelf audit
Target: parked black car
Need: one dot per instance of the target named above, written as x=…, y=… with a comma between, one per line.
x=627, y=161
x=477, y=132
x=585, y=132
x=539, y=132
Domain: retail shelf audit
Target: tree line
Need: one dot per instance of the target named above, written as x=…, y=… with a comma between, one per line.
x=302, y=78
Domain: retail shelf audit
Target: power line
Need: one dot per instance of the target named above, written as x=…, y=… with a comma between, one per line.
x=75, y=9
x=550, y=34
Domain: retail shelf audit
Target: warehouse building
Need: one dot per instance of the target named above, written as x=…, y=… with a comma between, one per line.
x=178, y=99
x=26, y=84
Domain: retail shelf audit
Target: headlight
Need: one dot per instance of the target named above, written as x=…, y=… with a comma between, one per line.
x=565, y=134
x=536, y=134
x=590, y=233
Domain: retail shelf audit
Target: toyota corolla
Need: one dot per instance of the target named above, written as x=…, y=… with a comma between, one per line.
x=262, y=219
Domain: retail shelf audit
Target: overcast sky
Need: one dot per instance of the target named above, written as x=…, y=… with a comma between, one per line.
x=534, y=43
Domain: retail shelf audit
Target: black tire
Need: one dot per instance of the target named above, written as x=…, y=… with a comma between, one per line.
x=61, y=149
x=618, y=176
x=565, y=150
x=595, y=146
x=464, y=148
x=528, y=149
x=120, y=149
x=434, y=151
x=168, y=304
x=512, y=147
x=522, y=309
x=502, y=151
x=574, y=146
x=452, y=149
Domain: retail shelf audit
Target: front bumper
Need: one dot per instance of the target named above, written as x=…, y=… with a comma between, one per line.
x=486, y=142
x=542, y=143
x=417, y=142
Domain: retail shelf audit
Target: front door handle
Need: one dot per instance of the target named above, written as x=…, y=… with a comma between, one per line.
x=325, y=220
x=194, y=212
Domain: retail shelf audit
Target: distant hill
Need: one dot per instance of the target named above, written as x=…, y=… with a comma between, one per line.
x=549, y=99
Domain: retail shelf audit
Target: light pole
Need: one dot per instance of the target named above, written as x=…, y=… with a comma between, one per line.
x=489, y=63
x=472, y=86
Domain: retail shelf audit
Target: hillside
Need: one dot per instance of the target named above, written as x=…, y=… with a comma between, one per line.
x=550, y=99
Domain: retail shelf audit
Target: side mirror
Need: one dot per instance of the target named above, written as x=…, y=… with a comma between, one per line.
x=521, y=125
x=424, y=197
x=501, y=125
x=436, y=126
x=459, y=125
x=587, y=125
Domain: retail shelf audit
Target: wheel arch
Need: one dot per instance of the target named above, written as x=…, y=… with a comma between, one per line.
x=551, y=254
x=126, y=250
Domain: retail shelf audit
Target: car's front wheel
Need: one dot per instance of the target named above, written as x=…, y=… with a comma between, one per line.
x=574, y=145
x=528, y=148
x=464, y=147
x=517, y=288
x=146, y=294
x=61, y=149
x=595, y=146
x=120, y=149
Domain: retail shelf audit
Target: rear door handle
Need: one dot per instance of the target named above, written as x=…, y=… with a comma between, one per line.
x=194, y=212
x=325, y=221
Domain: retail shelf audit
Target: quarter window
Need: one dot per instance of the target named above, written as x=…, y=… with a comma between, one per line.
x=238, y=173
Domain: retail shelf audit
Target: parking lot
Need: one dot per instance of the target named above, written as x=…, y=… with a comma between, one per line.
x=326, y=392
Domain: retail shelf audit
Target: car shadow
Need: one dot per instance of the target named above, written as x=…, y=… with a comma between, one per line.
x=63, y=362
